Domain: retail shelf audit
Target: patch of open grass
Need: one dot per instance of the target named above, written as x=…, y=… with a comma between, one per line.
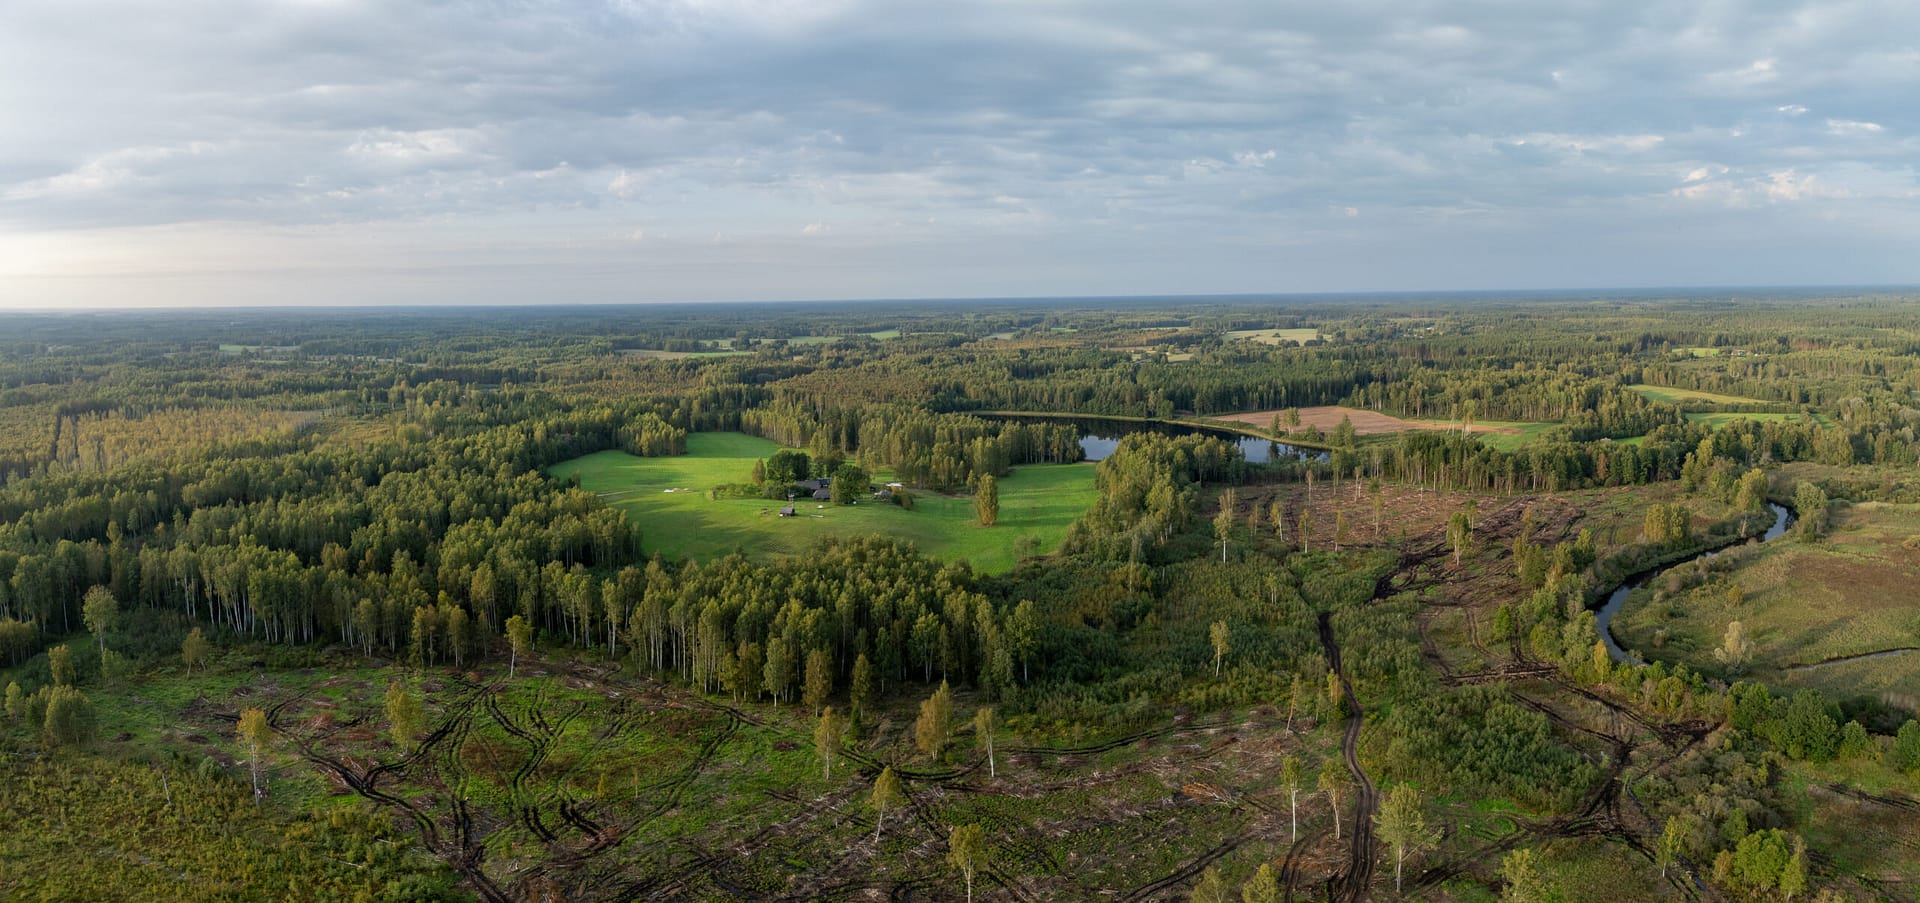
x=878, y=335
x=668, y=499
x=1718, y=419
x=1684, y=396
x=1276, y=336
x=651, y=354
x=1863, y=837
x=1525, y=433
x=1803, y=604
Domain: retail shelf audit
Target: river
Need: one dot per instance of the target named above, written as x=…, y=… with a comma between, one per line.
x=1782, y=519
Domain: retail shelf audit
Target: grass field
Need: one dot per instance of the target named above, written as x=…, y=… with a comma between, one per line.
x=1805, y=605
x=1866, y=839
x=1691, y=396
x=1505, y=435
x=676, y=355
x=1037, y=501
x=1718, y=419
x=1276, y=336
x=879, y=335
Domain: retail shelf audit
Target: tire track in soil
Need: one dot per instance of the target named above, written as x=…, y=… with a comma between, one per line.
x=273, y=712
x=1117, y=742
x=466, y=856
x=673, y=879
x=676, y=787
x=924, y=814
x=1187, y=872
x=1895, y=802
x=1290, y=867
x=1602, y=812
x=1357, y=883
x=539, y=745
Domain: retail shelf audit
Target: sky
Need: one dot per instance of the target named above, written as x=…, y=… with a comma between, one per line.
x=568, y=151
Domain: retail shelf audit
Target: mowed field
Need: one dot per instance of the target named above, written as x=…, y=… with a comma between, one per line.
x=1718, y=419
x=668, y=499
x=1683, y=396
x=1499, y=434
x=1276, y=336
x=1820, y=613
x=653, y=354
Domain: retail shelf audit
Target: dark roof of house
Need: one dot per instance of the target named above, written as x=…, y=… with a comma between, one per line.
x=822, y=494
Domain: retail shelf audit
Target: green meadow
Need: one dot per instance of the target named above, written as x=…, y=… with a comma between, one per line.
x=668, y=498
x=1671, y=395
x=1718, y=419
x=1302, y=335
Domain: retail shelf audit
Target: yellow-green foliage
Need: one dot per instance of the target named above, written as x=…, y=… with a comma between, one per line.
x=81, y=827
x=95, y=442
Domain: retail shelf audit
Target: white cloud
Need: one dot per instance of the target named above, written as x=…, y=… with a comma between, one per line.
x=627, y=185
x=1063, y=124
x=424, y=146
x=1580, y=144
x=1759, y=72
x=1853, y=127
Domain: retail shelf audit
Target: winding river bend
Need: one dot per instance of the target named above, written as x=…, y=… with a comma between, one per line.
x=1782, y=519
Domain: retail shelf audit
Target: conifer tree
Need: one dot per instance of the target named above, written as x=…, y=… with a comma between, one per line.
x=986, y=501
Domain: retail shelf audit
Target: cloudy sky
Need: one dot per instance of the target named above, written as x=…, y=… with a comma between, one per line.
x=353, y=151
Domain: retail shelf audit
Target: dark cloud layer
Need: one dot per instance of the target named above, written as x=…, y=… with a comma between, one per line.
x=631, y=150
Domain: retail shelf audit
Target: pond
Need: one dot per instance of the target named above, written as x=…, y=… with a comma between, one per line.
x=1099, y=437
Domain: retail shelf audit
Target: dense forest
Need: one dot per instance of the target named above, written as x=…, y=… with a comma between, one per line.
x=205, y=518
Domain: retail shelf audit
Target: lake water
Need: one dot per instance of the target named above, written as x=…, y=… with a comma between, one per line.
x=1098, y=438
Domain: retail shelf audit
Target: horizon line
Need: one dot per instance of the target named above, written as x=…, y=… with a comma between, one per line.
x=1175, y=297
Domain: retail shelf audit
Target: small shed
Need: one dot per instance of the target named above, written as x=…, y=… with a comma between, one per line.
x=787, y=511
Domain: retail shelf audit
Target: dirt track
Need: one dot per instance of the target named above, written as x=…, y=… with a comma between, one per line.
x=1357, y=883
